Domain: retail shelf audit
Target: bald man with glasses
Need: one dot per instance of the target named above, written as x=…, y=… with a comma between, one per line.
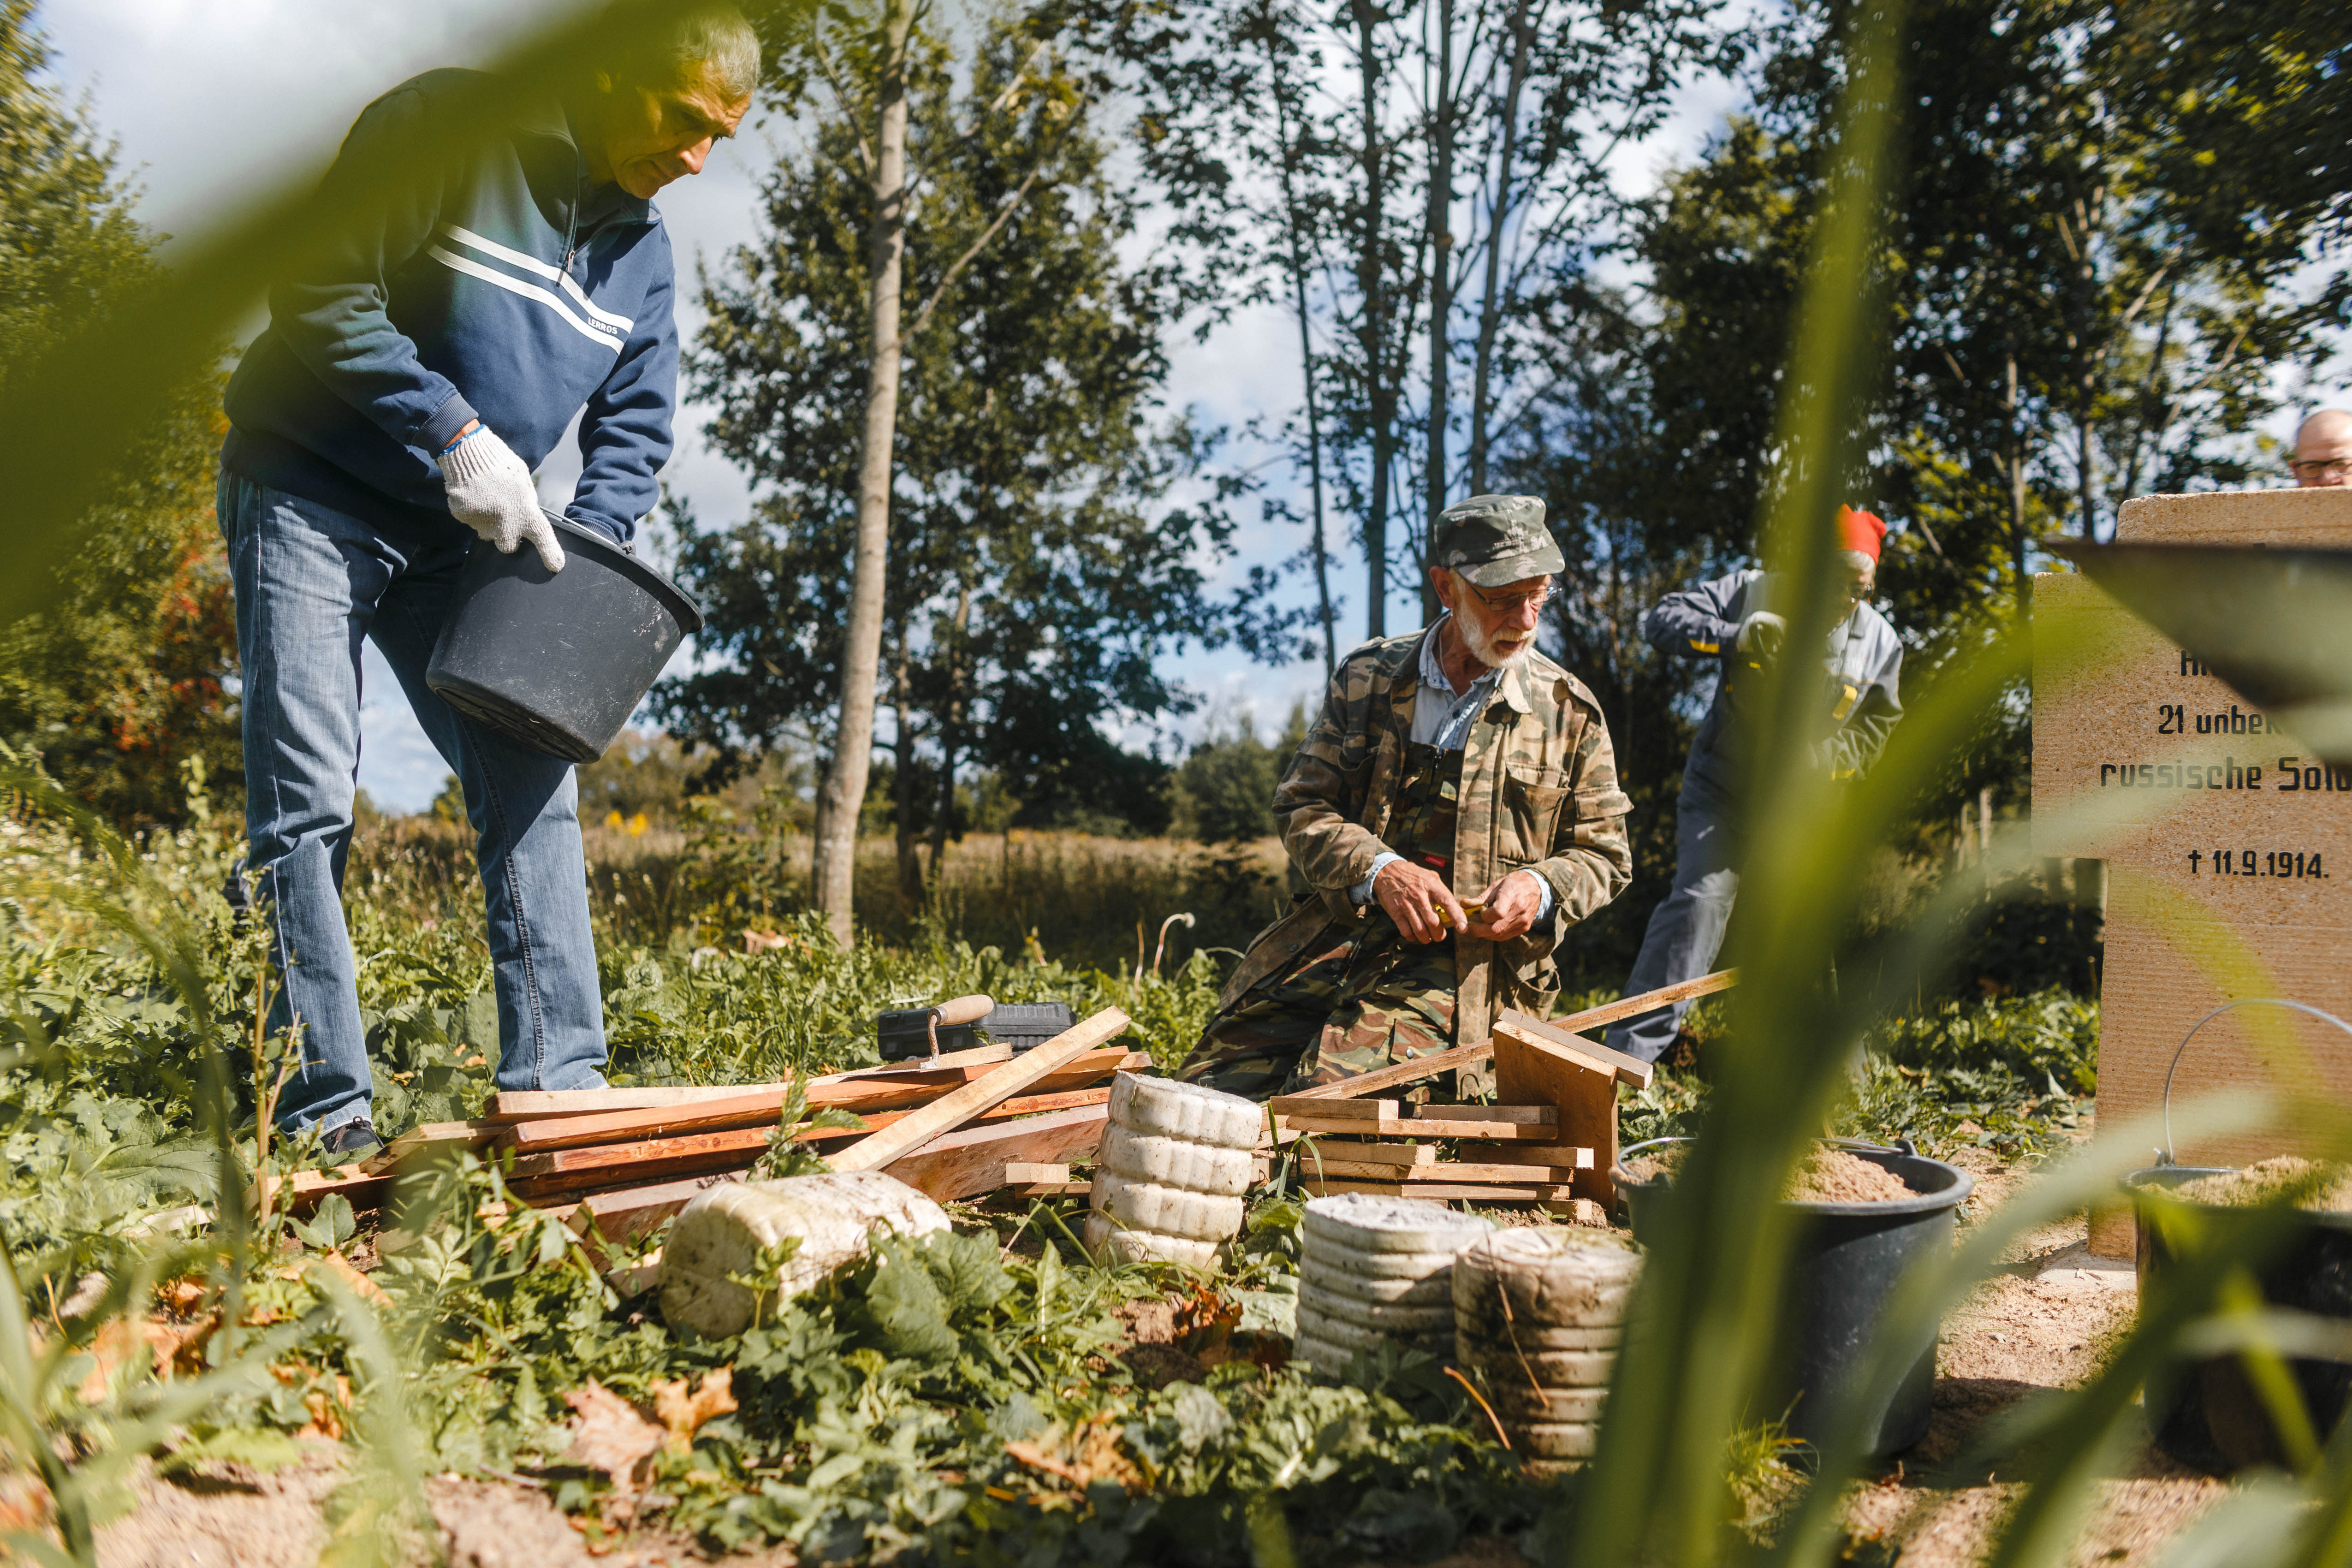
x=1453, y=813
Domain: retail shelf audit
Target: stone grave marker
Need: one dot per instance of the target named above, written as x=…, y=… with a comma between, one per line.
x=2228, y=845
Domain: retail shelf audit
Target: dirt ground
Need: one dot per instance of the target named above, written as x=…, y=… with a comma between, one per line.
x=2043, y=1322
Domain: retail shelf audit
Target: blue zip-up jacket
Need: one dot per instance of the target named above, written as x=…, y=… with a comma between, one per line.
x=502, y=288
x=1861, y=668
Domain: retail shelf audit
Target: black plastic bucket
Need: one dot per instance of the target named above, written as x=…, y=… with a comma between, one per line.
x=2203, y=1412
x=1847, y=1263
x=905, y=1035
x=558, y=661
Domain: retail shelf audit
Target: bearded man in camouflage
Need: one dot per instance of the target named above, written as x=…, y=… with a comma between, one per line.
x=1456, y=781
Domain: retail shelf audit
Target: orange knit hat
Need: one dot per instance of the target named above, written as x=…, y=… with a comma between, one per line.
x=1859, y=531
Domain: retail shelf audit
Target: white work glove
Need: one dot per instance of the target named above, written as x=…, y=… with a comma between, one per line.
x=491, y=492
x=1761, y=634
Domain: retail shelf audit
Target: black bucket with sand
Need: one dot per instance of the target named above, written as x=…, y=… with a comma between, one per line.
x=1849, y=1259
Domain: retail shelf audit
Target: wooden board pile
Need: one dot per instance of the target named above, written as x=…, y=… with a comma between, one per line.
x=1551, y=1141
x=621, y=1160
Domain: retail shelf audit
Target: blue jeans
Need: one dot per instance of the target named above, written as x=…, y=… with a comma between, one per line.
x=311, y=583
x=1686, y=928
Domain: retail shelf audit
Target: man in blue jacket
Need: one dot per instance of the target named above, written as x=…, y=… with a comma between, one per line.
x=1731, y=620
x=390, y=415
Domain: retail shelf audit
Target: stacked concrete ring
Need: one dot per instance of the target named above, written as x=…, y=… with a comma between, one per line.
x=1537, y=1318
x=1377, y=1270
x=1174, y=1162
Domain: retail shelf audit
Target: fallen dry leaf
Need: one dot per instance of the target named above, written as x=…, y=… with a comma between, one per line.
x=359, y=1284
x=608, y=1435
x=1090, y=1454
x=683, y=1414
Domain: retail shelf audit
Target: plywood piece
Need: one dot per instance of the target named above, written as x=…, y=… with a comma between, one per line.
x=1001, y=1083
x=966, y=1164
x=1030, y=1171
x=1531, y=1070
x=2294, y=519
x=1592, y=1054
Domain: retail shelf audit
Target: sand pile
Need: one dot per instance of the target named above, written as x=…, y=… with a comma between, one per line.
x=2272, y=1180
x=1828, y=1177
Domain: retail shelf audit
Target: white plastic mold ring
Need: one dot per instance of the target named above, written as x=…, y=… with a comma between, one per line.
x=1108, y=1243
x=1176, y=1161
x=1164, y=1107
x=1339, y=1257
x=1356, y=1336
x=1379, y=1316
x=1369, y=1222
x=1435, y=1289
x=1171, y=1211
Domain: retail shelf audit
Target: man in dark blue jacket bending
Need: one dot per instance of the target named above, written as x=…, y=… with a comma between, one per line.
x=1730, y=622
x=391, y=413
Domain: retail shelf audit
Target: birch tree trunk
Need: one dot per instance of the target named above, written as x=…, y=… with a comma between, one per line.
x=1443, y=114
x=1373, y=334
x=1295, y=222
x=1490, y=303
x=834, y=872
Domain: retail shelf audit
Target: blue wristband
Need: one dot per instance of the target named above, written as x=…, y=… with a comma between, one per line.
x=463, y=437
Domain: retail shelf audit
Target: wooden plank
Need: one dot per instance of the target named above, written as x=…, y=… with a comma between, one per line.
x=1477, y=1051
x=629, y=1213
x=305, y=1190
x=966, y=1164
x=1525, y=1154
x=1399, y=1073
x=1028, y=1173
x=1415, y=1176
x=1001, y=1084
x=1334, y=1110
x=1630, y=1070
x=1521, y=1115
x=1515, y=1130
x=1383, y=1153
x=1470, y=1192
x=1527, y=1069
x=432, y=1138
x=695, y=1151
x=535, y=1104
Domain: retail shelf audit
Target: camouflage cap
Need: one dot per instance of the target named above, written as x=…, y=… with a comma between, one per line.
x=1495, y=540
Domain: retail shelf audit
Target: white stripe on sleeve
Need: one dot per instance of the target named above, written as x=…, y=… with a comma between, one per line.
x=527, y=291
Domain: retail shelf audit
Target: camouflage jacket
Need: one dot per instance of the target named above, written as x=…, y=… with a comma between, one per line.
x=1538, y=792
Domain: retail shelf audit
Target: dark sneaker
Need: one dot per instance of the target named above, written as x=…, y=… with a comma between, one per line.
x=352, y=1140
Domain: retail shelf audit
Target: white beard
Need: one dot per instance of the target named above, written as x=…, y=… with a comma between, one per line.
x=1482, y=647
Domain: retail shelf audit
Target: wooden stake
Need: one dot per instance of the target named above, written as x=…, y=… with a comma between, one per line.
x=1002, y=1084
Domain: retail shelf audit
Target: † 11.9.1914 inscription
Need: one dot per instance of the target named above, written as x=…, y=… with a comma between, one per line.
x=2291, y=864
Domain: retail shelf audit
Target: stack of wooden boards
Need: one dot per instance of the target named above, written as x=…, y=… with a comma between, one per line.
x=955, y=1126
x=1551, y=1141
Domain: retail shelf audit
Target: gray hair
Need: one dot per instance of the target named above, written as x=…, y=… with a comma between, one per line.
x=681, y=35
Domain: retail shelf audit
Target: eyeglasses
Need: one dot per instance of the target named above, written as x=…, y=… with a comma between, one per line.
x=1513, y=604
x=2323, y=469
